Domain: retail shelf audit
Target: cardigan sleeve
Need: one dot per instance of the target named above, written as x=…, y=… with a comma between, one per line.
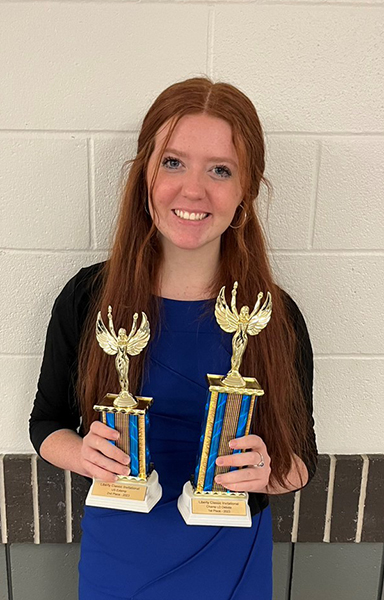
x=56, y=406
x=304, y=367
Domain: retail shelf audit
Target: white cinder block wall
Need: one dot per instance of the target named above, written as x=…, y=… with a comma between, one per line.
x=76, y=79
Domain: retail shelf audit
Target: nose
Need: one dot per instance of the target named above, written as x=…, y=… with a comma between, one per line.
x=193, y=185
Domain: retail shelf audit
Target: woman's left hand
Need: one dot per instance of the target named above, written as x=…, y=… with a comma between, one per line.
x=250, y=478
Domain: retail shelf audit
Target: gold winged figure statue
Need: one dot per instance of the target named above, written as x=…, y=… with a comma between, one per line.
x=123, y=346
x=241, y=324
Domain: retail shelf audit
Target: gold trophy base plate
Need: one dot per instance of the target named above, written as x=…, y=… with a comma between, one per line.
x=136, y=496
x=219, y=510
x=107, y=405
x=251, y=386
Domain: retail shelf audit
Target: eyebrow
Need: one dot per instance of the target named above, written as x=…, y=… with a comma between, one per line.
x=210, y=158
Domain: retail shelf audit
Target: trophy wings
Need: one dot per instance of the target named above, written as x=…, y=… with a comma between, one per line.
x=105, y=339
x=260, y=318
x=224, y=316
x=141, y=337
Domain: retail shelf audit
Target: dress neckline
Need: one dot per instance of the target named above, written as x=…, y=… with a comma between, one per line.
x=196, y=302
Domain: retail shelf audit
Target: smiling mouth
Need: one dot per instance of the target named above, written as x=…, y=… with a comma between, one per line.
x=190, y=216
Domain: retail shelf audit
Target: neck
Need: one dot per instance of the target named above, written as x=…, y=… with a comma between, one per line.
x=188, y=274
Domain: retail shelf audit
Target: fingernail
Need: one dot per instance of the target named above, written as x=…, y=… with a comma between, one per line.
x=127, y=460
x=127, y=471
x=232, y=444
x=219, y=461
x=218, y=479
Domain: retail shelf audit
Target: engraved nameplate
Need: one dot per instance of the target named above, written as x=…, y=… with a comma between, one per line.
x=219, y=506
x=126, y=491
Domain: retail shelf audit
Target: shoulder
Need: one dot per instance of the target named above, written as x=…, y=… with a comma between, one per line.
x=80, y=284
x=304, y=351
x=290, y=304
x=304, y=346
x=294, y=312
x=73, y=301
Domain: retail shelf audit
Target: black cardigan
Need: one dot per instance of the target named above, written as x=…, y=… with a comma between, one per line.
x=55, y=405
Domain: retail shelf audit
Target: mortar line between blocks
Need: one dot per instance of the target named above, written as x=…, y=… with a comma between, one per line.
x=304, y=253
x=26, y=355
x=87, y=252
x=328, y=510
x=68, y=505
x=362, y=496
x=296, y=516
x=91, y=193
x=210, y=39
x=349, y=356
x=106, y=133
x=8, y=566
x=64, y=134
x=337, y=252
x=35, y=500
x=225, y=2
x=314, y=196
x=3, y=512
x=291, y=555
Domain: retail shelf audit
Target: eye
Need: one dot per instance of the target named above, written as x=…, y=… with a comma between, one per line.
x=222, y=171
x=169, y=162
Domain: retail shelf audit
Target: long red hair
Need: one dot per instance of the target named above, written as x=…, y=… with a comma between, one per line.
x=129, y=280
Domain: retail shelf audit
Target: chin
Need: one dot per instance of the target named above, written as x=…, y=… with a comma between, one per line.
x=188, y=246
x=185, y=243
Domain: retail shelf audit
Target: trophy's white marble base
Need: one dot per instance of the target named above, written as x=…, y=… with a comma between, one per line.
x=220, y=511
x=136, y=496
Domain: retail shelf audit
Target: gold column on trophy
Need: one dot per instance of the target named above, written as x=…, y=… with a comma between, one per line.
x=140, y=490
x=228, y=415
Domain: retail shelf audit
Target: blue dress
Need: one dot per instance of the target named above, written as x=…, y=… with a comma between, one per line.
x=156, y=556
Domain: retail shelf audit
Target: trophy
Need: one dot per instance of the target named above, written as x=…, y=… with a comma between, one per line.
x=228, y=413
x=140, y=490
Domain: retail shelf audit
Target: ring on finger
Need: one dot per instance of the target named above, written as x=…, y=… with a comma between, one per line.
x=261, y=462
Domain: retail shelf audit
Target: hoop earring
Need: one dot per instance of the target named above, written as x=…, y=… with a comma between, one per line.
x=245, y=216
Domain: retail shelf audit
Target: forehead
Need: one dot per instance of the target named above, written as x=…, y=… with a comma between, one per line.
x=207, y=135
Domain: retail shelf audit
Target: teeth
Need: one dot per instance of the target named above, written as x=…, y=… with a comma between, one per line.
x=183, y=214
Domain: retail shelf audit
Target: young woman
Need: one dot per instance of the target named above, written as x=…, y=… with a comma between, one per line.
x=187, y=226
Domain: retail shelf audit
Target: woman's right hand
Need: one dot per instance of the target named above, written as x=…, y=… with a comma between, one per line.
x=101, y=459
